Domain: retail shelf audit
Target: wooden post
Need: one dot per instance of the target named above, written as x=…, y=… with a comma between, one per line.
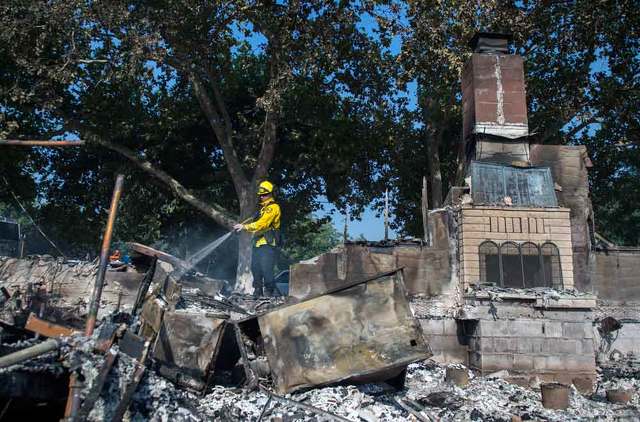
x=92, y=315
x=425, y=211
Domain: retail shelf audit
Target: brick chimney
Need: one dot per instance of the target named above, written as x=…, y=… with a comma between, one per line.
x=495, y=126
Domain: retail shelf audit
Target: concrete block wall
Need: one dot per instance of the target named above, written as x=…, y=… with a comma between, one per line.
x=615, y=276
x=626, y=339
x=558, y=347
x=427, y=268
x=446, y=338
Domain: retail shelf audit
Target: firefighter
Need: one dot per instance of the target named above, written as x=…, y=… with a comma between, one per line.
x=266, y=237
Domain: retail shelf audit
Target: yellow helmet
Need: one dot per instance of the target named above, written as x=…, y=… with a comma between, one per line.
x=265, y=188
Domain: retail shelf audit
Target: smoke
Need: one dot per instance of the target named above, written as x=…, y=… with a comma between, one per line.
x=197, y=257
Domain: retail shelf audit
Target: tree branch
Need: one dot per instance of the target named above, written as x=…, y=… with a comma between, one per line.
x=553, y=129
x=220, y=102
x=581, y=126
x=215, y=212
x=271, y=105
x=217, y=124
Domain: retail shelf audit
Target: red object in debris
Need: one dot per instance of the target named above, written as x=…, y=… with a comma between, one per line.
x=115, y=256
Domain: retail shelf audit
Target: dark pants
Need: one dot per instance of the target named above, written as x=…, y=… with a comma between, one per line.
x=264, y=258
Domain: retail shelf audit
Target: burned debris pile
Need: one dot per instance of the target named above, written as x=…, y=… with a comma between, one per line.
x=179, y=348
x=182, y=328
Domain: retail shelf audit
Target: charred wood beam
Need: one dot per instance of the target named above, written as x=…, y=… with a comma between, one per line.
x=108, y=333
x=264, y=409
x=75, y=395
x=418, y=415
x=131, y=388
x=251, y=381
x=46, y=328
x=6, y=408
x=96, y=388
x=308, y=407
x=128, y=393
x=162, y=256
x=144, y=286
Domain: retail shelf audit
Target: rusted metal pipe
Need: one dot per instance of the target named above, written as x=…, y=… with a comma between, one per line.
x=74, y=398
x=40, y=143
x=92, y=316
x=29, y=353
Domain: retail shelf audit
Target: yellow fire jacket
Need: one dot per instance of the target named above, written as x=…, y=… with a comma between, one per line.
x=266, y=228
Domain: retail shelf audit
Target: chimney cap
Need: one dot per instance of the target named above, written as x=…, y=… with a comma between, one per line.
x=491, y=42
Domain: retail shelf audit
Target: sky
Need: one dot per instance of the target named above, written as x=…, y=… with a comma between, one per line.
x=369, y=225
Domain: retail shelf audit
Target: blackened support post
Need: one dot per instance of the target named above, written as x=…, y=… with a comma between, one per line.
x=104, y=258
x=144, y=286
x=73, y=400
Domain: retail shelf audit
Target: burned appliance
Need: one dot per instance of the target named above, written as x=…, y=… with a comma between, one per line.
x=361, y=332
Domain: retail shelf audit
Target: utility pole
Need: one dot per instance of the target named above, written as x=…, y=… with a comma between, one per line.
x=345, y=233
x=425, y=210
x=386, y=214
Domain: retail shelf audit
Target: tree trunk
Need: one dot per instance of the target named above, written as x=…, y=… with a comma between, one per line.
x=461, y=164
x=435, y=173
x=244, y=276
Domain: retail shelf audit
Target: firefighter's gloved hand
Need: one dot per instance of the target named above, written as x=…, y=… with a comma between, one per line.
x=238, y=227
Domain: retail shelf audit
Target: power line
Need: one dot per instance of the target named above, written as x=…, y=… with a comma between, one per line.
x=30, y=218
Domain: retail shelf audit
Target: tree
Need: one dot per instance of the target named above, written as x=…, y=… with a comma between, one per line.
x=88, y=53
x=308, y=238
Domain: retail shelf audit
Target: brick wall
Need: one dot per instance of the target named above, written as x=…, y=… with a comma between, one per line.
x=493, y=96
x=537, y=225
